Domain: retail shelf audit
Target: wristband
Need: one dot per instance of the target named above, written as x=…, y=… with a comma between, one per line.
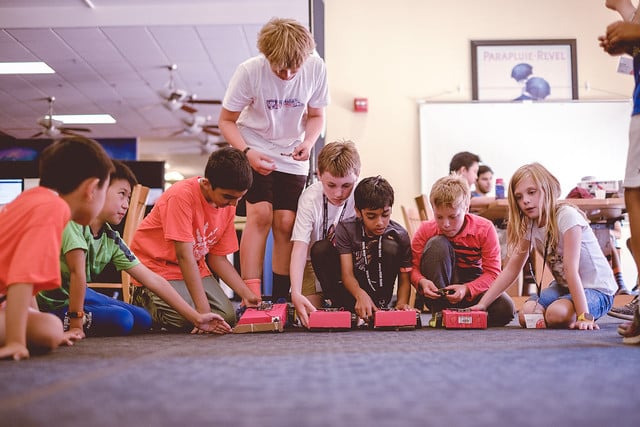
x=246, y=150
x=75, y=314
x=586, y=317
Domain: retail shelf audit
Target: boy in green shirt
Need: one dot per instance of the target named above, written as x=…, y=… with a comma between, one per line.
x=86, y=251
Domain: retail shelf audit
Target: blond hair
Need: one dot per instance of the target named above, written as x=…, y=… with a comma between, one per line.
x=450, y=191
x=339, y=158
x=285, y=43
x=518, y=224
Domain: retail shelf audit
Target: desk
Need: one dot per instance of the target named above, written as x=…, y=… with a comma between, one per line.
x=597, y=210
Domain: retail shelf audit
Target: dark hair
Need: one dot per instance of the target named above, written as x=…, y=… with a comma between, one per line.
x=229, y=168
x=373, y=192
x=484, y=169
x=66, y=163
x=463, y=159
x=123, y=171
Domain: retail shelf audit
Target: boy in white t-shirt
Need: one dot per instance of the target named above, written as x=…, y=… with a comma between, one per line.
x=273, y=111
x=320, y=208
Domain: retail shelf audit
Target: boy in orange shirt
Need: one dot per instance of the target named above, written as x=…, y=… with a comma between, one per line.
x=187, y=236
x=74, y=176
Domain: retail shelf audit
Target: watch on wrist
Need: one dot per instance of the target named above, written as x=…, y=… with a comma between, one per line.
x=75, y=314
x=246, y=150
x=85, y=316
x=586, y=317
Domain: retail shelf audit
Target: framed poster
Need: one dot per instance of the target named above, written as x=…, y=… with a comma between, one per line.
x=519, y=70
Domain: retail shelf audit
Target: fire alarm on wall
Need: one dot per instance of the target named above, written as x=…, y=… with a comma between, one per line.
x=360, y=105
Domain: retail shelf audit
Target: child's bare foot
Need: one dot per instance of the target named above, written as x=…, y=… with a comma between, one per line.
x=14, y=351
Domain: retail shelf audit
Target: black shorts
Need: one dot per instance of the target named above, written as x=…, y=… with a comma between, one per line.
x=280, y=189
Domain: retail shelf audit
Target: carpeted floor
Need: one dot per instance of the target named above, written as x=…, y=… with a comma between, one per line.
x=427, y=377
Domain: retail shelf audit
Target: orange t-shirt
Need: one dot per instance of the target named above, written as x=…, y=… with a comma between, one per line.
x=30, y=239
x=182, y=214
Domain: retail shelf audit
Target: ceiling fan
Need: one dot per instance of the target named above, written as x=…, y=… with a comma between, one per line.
x=195, y=125
x=176, y=99
x=55, y=128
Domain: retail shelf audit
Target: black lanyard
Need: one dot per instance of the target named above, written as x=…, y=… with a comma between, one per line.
x=366, y=263
x=325, y=215
x=544, y=259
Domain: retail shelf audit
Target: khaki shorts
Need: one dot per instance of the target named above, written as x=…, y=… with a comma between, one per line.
x=166, y=317
x=309, y=281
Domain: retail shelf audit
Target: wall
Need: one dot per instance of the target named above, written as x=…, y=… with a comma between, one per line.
x=396, y=53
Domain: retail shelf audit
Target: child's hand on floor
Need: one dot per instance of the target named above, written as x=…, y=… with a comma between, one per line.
x=211, y=323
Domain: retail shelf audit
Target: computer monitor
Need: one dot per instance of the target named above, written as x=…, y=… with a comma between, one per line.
x=10, y=189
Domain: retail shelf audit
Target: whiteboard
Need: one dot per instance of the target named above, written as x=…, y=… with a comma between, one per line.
x=572, y=139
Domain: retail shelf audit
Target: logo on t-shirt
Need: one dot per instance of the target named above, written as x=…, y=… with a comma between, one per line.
x=276, y=104
x=205, y=240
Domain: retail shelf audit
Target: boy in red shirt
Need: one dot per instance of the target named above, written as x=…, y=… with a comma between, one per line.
x=457, y=254
x=74, y=177
x=187, y=236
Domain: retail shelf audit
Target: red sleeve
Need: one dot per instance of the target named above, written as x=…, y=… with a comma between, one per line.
x=419, y=241
x=491, y=260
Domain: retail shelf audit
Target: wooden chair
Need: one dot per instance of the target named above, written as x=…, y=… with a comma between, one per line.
x=412, y=219
x=424, y=207
x=135, y=214
x=412, y=222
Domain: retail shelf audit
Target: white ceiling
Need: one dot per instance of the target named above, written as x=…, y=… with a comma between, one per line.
x=113, y=58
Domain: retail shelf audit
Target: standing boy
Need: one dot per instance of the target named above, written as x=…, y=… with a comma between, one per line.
x=624, y=37
x=457, y=254
x=187, y=236
x=74, y=176
x=274, y=111
x=86, y=251
x=373, y=251
x=321, y=206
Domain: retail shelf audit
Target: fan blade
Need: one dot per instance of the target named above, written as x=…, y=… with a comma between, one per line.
x=35, y=135
x=176, y=133
x=63, y=128
x=67, y=131
x=212, y=132
x=204, y=101
x=188, y=109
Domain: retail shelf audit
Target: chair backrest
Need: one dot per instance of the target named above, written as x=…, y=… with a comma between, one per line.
x=412, y=219
x=135, y=215
x=424, y=207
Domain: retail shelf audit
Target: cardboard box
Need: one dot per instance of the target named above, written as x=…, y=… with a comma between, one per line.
x=395, y=319
x=330, y=319
x=464, y=319
x=264, y=315
x=258, y=327
x=267, y=317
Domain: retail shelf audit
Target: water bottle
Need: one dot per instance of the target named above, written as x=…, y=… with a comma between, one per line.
x=499, y=188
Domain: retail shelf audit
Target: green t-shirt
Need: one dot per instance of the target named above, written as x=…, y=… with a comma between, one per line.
x=107, y=248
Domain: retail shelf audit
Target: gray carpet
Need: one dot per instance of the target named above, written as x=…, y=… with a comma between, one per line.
x=428, y=377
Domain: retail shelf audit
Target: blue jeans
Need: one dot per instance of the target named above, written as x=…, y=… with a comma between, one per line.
x=111, y=316
x=599, y=304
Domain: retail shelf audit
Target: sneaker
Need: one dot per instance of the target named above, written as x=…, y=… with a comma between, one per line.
x=626, y=311
x=632, y=334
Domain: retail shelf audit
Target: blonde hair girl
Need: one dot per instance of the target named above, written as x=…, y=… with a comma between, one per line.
x=583, y=285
